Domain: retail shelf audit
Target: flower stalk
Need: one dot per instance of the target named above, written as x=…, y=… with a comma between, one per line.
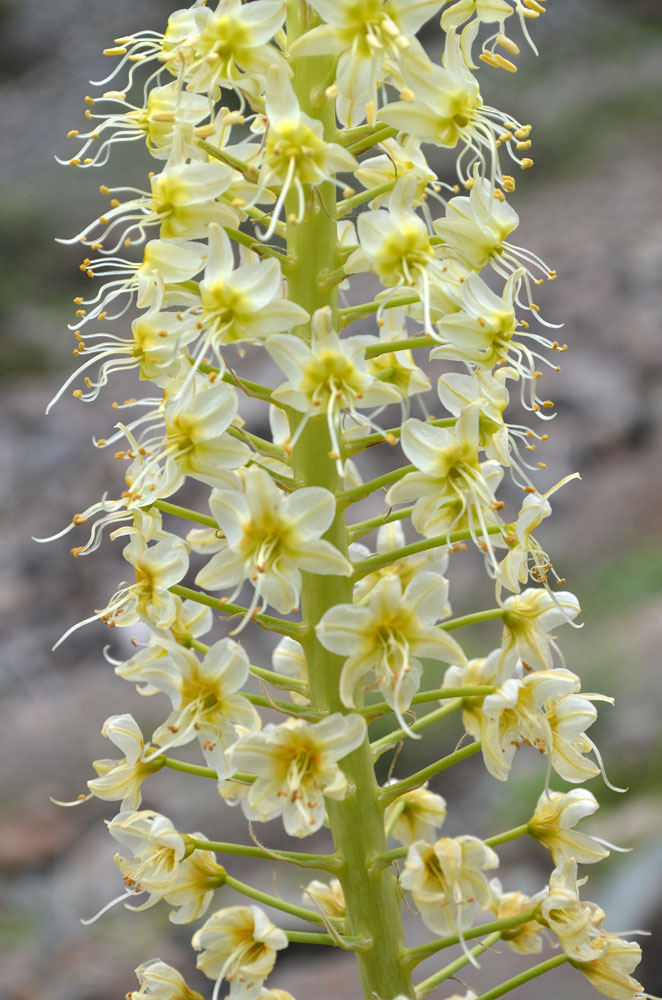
x=251, y=235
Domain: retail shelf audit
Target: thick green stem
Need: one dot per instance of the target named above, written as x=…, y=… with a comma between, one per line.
x=357, y=825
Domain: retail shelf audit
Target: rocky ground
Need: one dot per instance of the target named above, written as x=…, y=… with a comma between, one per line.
x=591, y=207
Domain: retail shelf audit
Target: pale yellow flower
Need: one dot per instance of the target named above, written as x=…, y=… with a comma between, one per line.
x=238, y=944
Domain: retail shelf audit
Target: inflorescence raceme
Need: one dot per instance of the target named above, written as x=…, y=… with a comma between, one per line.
x=291, y=142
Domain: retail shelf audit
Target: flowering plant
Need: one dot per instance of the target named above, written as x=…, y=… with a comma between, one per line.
x=262, y=117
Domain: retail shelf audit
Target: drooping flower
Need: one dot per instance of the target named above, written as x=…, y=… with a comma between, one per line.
x=167, y=113
x=447, y=109
x=395, y=245
x=552, y=823
x=328, y=896
x=388, y=636
x=204, y=695
x=575, y=923
x=242, y=303
x=529, y=619
x=610, y=967
x=161, y=866
x=374, y=39
x=515, y=714
x=446, y=881
x=296, y=152
x=476, y=227
x=327, y=376
x=523, y=938
x=233, y=48
x=451, y=483
x=151, y=282
x=157, y=567
x=416, y=815
x=238, y=944
x=297, y=766
x=269, y=538
x=121, y=780
x=159, y=981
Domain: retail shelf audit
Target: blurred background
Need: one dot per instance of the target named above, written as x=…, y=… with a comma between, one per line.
x=591, y=208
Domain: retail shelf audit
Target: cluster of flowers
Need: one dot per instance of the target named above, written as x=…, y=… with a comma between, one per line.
x=216, y=229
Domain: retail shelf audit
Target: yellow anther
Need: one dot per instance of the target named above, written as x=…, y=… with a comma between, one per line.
x=407, y=94
x=508, y=183
x=523, y=144
x=534, y=5
x=101, y=442
x=102, y=315
x=77, y=302
x=89, y=100
x=499, y=195
x=88, y=113
x=115, y=203
x=503, y=63
x=77, y=393
x=508, y=44
x=74, y=132
x=331, y=92
x=103, y=220
x=104, y=189
x=81, y=312
x=75, y=162
x=523, y=133
x=114, y=95
x=119, y=50
x=548, y=404
x=526, y=163
x=524, y=324
x=487, y=57
x=533, y=306
x=545, y=437
x=348, y=192
x=89, y=273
